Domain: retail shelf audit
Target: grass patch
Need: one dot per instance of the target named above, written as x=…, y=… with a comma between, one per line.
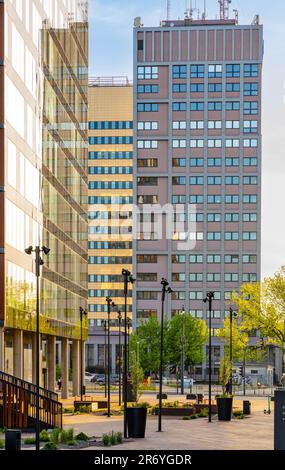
x=29, y=441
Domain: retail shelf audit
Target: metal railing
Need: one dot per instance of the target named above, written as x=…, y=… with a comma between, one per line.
x=18, y=405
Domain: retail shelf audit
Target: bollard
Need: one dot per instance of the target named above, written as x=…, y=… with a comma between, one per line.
x=13, y=439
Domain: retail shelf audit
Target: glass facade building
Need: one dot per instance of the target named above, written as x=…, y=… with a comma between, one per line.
x=43, y=178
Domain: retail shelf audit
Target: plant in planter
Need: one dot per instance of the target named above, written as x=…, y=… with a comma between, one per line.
x=137, y=414
x=225, y=401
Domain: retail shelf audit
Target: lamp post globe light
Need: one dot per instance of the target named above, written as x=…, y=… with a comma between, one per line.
x=127, y=278
x=209, y=298
x=83, y=314
x=110, y=304
x=165, y=290
x=38, y=262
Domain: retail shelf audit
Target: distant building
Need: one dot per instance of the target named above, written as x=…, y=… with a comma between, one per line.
x=110, y=192
x=197, y=141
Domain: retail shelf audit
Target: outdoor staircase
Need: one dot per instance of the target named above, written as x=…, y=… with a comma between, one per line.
x=18, y=405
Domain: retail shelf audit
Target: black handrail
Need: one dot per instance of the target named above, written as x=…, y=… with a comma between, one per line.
x=18, y=404
x=28, y=386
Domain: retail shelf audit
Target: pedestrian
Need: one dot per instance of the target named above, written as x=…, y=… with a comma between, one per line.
x=59, y=383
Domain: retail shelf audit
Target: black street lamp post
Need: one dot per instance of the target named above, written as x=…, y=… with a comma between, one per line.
x=105, y=355
x=232, y=315
x=39, y=262
x=127, y=276
x=110, y=304
x=128, y=345
x=209, y=298
x=120, y=358
x=165, y=290
x=83, y=314
x=182, y=351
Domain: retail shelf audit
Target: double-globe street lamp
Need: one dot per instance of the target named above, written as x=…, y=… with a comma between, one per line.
x=209, y=298
x=128, y=278
x=165, y=290
x=39, y=262
x=110, y=304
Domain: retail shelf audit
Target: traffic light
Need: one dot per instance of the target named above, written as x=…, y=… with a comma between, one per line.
x=241, y=371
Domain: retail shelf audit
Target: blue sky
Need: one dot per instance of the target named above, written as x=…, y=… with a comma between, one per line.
x=111, y=24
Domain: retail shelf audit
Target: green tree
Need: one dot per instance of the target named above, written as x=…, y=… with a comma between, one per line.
x=262, y=307
x=146, y=341
x=195, y=336
x=225, y=373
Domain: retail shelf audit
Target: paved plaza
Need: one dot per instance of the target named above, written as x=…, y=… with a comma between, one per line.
x=252, y=433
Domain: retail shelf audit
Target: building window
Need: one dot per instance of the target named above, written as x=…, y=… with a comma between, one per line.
x=250, y=70
x=197, y=106
x=250, y=143
x=214, y=162
x=147, y=125
x=232, y=161
x=232, y=124
x=250, y=89
x=250, y=107
x=178, y=143
x=147, y=73
x=215, y=71
x=179, y=71
x=179, y=106
x=147, y=181
x=231, y=199
x=179, y=88
x=147, y=144
x=215, y=106
x=233, y=87
x=215, y=87
x=147, y=107
x=232, y=106
x=197, y=71
x=196, y=143
x=214, y=143
x=250, y=161
x=178, y=125
x=197, y=88
x=147, y=88
x=233, y=70
x=178, y=180
x=231, y=236
x=196, y=162
x=140, y=44
x=214, y=124
x=214, y=199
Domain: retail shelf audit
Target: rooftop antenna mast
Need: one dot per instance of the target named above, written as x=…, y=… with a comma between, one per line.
x=224, y=9
x=168, y=9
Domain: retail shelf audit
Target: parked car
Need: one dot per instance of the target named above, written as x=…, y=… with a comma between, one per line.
x=88, y=376
x=98, y=379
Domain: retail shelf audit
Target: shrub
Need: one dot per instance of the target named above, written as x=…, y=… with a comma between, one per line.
x=113, y=439
x=81, y=437
x=71, y=443
x=66, y=436
x=29, y=441
x=106, y=440
x=54, y=437
x=84, y=409
x=186, y=418
x=237, y=413
x=68, y=410
x=119, y=437
x=1, y=444
x=50, y=446
x=44, y=436
x=143, y=404
x=193, y=417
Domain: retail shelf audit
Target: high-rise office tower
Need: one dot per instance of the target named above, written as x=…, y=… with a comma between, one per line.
x=43, y=184
x=197, y=141
x=110, y=192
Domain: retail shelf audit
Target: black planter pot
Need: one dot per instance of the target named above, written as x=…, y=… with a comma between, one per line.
x=225, y=405
x=136, y=421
